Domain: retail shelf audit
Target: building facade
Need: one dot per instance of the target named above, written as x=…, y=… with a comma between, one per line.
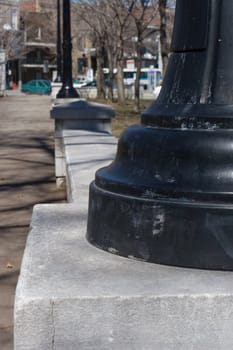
x=38, y=24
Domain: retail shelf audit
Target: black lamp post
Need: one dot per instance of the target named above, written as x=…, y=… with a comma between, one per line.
x=67, y=90
x=59, y=56
x=168, y=196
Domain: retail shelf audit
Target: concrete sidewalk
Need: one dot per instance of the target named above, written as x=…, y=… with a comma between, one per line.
x=26, y=178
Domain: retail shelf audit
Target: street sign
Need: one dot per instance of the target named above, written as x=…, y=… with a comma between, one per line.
x=130, y=64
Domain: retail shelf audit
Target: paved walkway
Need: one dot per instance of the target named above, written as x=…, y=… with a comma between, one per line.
x=26, y=178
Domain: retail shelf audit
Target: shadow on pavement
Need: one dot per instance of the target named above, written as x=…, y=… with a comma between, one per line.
x=26, y=178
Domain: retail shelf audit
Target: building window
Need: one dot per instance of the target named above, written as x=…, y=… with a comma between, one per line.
x=82, y=64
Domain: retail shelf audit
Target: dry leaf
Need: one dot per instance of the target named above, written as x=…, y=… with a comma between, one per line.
x=9, y=266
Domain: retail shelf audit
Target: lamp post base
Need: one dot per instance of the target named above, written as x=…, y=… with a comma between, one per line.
x=167, y=198
x=169, y=232
x=68, y=92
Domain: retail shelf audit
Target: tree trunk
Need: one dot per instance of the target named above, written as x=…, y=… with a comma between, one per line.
x=138, y=73
x=120, y=82
x=111, y=73
x=163, y=33
x=100, y=72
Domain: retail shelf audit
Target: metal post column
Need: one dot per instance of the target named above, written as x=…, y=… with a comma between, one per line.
x=59, y=55
x=67, y=90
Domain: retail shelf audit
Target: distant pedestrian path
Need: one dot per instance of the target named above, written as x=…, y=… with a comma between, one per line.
x=26, y=178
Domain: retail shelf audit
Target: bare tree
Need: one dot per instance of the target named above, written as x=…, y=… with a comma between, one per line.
x=121, y=12
x=108, y=22
x=10, y=39
x=91, y=12
x=112, y=24
x=10, y=36
x=143, y=14
x=11, y=43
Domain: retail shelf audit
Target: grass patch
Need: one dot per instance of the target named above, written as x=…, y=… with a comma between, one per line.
x=125, y=115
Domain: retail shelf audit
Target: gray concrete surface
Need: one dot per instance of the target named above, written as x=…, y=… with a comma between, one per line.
x=74, y=296
x=85, y=153
x=26, y=178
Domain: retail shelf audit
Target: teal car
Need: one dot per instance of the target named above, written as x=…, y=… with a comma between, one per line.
x=38, y=86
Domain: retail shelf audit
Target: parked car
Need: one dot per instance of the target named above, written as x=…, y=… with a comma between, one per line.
x=89, y=84
x=79, y=82
x=48, y=82
x=37, y=86
x=89, y=90
x=93, y=83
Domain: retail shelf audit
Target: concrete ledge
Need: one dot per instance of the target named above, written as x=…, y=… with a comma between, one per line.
x=73, y=296
x=85, y=152
x=78, y=115
x=82, y=109
x=84, y=115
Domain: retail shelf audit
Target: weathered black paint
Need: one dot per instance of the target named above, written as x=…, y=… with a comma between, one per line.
x=168, y=196
x=192, y=25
